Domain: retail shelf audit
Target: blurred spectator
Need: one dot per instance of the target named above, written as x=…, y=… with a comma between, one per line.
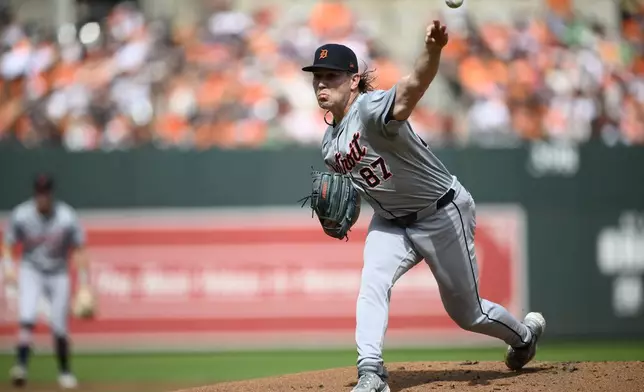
x=234, y=80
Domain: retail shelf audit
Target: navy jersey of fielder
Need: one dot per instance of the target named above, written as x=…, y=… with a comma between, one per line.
x=392, y=167
x=46, y=241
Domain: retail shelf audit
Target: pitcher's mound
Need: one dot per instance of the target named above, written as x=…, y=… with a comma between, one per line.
x=461, y=376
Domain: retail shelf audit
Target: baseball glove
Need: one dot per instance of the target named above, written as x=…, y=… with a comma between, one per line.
x=84, y=305
x=335, y=201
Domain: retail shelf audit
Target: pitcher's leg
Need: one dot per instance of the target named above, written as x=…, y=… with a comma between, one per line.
x=446, y=240
x=388, y=254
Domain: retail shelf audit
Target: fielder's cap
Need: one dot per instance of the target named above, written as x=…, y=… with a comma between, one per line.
x=43, y=183
x=334, y=57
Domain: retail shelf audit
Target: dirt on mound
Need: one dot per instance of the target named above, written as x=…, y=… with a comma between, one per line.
x=463, y=376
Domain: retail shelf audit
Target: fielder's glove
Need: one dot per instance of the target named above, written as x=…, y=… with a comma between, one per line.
x=335, y=201
x=84, y=305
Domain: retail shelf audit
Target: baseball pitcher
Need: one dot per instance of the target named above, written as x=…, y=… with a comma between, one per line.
x=50, y=233
x=421, y=210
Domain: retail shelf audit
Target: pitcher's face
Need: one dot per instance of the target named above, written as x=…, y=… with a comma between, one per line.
x=333, y=88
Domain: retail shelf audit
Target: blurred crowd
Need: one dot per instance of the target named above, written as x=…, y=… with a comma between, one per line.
x=559, y=77
x=234, y=80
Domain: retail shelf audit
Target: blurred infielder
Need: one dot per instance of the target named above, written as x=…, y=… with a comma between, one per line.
x=421, y=210
x=50, y=233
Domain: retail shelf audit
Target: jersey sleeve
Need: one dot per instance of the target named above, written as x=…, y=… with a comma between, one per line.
x=77, y=232
x=12, y=231
x=374, y=109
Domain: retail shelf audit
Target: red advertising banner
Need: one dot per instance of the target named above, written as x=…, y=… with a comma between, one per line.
x=253, y=278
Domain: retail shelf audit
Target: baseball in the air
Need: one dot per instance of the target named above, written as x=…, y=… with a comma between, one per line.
x=454, y=3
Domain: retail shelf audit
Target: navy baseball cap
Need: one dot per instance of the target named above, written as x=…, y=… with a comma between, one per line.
x=334, y=57
x=43, y=183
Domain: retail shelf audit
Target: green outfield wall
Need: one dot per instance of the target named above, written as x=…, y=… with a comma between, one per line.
x=584, y=208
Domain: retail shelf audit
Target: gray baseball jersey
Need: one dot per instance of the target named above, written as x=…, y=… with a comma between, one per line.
x=394, y=169
x=46, y=241
x=397, y=174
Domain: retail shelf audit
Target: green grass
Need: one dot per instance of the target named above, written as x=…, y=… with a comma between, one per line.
x=205, y=368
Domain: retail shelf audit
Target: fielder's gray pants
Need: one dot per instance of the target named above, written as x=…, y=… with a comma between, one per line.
x=32, y=284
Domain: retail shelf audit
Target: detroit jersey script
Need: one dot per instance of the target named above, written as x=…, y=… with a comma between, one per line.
x=390, y=164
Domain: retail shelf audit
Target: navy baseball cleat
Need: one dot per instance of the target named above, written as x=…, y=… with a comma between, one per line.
x=517, y=357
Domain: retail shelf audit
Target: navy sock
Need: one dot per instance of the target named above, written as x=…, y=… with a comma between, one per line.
x=62, y=353
x=22, y=354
